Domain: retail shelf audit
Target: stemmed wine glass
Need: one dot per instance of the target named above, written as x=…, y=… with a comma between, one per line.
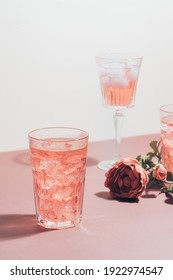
x=118, y=74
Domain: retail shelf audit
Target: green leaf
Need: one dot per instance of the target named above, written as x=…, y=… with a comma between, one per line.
x=138, y=157
x=154, y=145
x=149, y=156
x=168, y=195
x=170, y=189
x=169, y=176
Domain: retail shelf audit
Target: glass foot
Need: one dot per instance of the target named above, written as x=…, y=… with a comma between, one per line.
x=106, y=164
x=59, y=224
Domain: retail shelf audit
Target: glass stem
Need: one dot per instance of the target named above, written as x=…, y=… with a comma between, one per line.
x=118, y=123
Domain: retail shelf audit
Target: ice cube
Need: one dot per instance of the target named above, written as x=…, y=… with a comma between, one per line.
x=105, y=80
x=119, y=81
x=69, y=212
x=45, y=181
x=132, y=73
x=44, y=194
x=63, y=192
x=68, y=191
x=44, y=204
x=45, y=163
x=58, y=196
x=116, y=71
x=112, y=69
x=73, y=163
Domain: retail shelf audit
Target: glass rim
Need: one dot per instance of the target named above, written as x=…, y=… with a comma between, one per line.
x=86, y=134
x=114, y=55
x=165, y=109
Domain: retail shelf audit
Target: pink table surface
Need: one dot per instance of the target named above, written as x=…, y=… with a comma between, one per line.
x=110, y=229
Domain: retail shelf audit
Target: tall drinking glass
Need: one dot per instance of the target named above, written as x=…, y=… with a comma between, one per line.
x=58, y=157
x=118, y=74
x=166, y=120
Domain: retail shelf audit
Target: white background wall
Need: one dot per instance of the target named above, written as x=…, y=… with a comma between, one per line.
x=48, y=75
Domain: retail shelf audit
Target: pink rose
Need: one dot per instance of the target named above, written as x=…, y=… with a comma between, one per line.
x=159, y=172
x=126, y=179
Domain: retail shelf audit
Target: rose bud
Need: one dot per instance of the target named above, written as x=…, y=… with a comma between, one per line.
x=126, y=179
x=159, y=172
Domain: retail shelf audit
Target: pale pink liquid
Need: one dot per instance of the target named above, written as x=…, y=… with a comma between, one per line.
x=167, y=141
x=118, y=85
x=59, y=185
x=118, y=95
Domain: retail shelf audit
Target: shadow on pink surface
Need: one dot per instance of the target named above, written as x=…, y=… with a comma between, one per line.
x=23, y=157
x=106, y=195
x=92, y=161
x=13, y=226
x=153, y=190
x=148, y=194
x=169, y=199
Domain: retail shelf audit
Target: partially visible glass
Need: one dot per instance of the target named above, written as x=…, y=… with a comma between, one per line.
x=58, y=157
x=118, y=74
x=166, y=120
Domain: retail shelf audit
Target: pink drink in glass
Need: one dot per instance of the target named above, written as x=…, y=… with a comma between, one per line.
x=59, y=173
x=118, y=84
x=167, y=141
x=118, y=74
